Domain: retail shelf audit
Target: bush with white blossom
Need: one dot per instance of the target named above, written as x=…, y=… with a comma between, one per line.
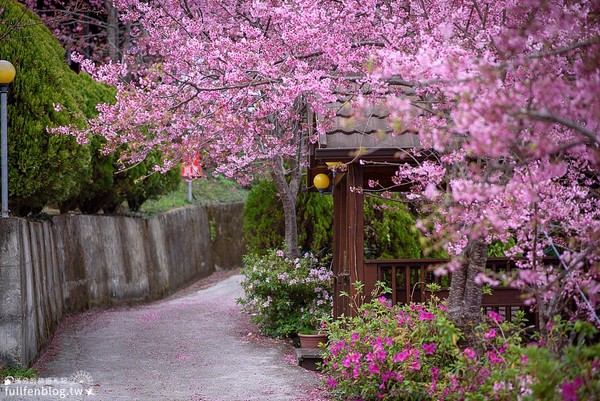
x=286, y=296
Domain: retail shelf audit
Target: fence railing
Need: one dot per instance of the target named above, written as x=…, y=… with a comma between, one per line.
x=408, y=279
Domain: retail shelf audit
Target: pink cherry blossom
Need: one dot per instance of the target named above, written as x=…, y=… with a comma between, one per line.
x=508, y=104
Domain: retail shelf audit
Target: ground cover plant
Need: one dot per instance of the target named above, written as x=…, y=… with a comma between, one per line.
x=17, y=372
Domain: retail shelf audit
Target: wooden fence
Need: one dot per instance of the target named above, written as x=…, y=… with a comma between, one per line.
x=408, y=279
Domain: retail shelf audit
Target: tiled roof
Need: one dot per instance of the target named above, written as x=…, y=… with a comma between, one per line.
x=369, y=128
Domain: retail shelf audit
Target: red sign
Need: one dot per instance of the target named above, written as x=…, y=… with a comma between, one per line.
x=193, y=170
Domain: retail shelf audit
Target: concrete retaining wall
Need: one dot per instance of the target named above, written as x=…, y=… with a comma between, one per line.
x=73, y=263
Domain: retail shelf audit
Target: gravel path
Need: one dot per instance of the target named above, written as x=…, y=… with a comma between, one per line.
x=193, y=346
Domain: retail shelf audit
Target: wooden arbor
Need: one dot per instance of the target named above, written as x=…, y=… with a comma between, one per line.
x=354, y=151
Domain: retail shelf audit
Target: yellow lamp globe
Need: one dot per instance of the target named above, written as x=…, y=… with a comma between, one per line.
x=321, y=181
x=7, y=72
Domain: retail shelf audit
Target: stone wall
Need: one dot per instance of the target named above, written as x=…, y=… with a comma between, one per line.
x=73, y=263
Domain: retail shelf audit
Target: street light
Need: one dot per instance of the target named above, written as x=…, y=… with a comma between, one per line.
x=7, y=74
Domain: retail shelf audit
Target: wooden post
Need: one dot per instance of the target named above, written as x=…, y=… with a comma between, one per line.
x=355, y=228
x=348, y=238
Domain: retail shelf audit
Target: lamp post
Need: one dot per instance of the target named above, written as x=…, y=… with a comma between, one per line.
x=7, y=74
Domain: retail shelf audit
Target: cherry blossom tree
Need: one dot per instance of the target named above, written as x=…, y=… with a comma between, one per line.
x=506, y=93
x=232, y=79
x=509, y=98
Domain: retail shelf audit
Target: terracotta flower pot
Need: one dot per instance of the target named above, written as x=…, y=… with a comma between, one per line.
x=312, y=340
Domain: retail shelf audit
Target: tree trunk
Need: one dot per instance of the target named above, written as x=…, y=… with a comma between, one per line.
x=287, y=180
x=288, y=193
x=112, y=31
x=464, y=301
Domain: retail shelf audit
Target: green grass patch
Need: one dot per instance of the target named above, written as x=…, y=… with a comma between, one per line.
x=17, y=372
x=204, y=190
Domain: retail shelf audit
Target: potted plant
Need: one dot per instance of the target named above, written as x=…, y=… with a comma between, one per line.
x=312, y=339
x=314, y=321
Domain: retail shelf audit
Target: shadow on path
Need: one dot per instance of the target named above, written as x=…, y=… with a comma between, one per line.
x=193, y=346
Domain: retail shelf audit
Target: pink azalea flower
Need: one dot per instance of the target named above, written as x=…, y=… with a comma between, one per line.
x=351, y=359
x=503, y=348
x=429, y=349
x=373, y=368
x=387, y=375
x=569, y=389
x=401, y=357
x=416, y=365
x=469, y=353
x=495, y=316
x=490, y=334
x=454, y=382
x=424, y=315
x=403, y=318
x=336, y=346
x=494, y=357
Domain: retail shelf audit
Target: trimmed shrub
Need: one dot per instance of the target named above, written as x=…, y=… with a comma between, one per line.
x=390, y=231
x=263, y=225
x=53, y=169
x=45, y=93
x=315, y=222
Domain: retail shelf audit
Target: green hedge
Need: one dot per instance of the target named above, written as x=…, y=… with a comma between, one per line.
x=389, y=225
x=46, y=169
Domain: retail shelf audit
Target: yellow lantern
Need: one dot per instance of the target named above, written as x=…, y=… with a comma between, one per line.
x=321, y=182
